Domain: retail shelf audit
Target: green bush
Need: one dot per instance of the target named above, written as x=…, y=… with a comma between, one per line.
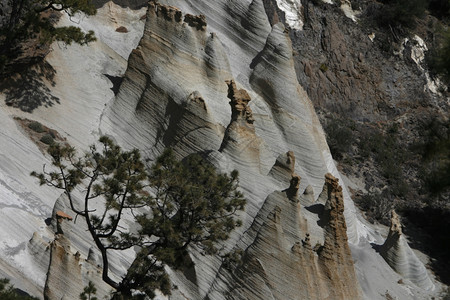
x=401, y=13
x=377, y=206
x=36, y=126
x=385, y=149
x=339, y=137
x=435, y=153
x=47, y=139
x=438, y=58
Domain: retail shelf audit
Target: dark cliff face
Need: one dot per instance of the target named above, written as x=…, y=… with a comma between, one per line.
x=345, y=72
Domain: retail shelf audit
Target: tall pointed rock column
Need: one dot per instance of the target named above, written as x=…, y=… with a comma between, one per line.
x=335, y=256
x=240, y=140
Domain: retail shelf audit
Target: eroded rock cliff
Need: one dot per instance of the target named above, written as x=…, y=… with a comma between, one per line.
x=401, y=257
x=286, y=260
x=194, y=57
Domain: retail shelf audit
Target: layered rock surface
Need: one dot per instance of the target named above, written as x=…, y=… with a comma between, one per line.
x=208, y=54
x=287, y=260
x=401, y=258
x=174, y=94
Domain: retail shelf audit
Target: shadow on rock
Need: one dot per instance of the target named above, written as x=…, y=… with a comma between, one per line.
x=27, y=89
x=319, y=210
x=376, y=247
x=428, y=231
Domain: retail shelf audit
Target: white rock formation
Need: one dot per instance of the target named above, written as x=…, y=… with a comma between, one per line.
x=175, y=94
x=292, y=10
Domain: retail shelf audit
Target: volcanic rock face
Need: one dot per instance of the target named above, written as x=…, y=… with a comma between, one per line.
x=281, y=262
x=64, y=274
x=194, y=57
x=67, y=270
x=163, y=99
x=177, y=92
x=176, y=59
x=401, y=258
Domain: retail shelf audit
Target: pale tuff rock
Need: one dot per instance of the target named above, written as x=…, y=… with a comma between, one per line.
x=189, y=123
x=169, y=13
x=174, y=95
x=293, y=13
x=199, y=22
x=240, y=111
x=240, y=140
x=273, y=78
x=67, y=270
x=292, y=191
x=284, y=167
x=335, y=255
x=57, y=224
x=308, y=196
x=169, y=96
x=175, y=84
x=284, y=171
x=39, y=250
x=253, y=20
x=64, y=273
x=92, y=256
x=346, y=7
x=282, y=264
x=401, y=258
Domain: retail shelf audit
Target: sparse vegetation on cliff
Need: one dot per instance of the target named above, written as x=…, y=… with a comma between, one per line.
x=401, y=13
x=438, y=58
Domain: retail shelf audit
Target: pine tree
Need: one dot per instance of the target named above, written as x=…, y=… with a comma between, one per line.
x=23, y=20
x=186, y=203
x=192, y=205
x=89, y=291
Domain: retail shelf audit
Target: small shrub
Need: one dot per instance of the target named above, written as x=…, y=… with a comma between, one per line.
x=323, y=67
x=438, y=58
x=435, y=153
x=401, y=13
x=233, y=259
x=377, y=206
x=52, y=133
x=36, y=126
x=47, y=139
x=339, y=137
x=386, y=151
x=88, y=292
